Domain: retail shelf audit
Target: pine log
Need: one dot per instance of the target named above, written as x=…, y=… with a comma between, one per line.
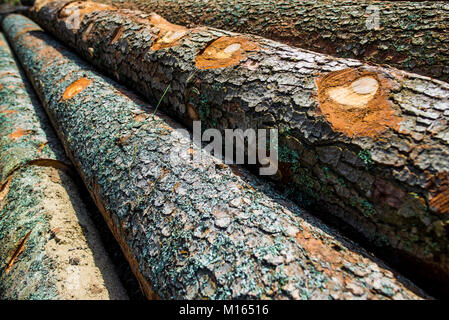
x=367, y=144
x=47, y=241
x=7, y=8
x=412, y=36
x=190, y=229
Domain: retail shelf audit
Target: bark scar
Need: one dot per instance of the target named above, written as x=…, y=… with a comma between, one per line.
x=225, y=52
x=73, y=12
x=75, y=88
x=355, y=102
x=169, y=33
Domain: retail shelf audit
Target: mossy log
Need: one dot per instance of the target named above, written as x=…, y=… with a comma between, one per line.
x=47, y=242
x=367, y=144
x=407, y=35
x=190, y=229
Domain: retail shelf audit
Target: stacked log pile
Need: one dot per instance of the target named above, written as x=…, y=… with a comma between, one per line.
x=407, y=35
x=189, y=229
x=47, y=244
x=368, y=144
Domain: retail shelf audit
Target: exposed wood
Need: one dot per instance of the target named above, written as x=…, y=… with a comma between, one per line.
x=410, y=35
x=190, y=229
x=368, y=144
x=47, y=241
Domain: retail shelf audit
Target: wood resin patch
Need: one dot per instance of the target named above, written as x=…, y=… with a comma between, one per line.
x=225, y=52
x=355, y=102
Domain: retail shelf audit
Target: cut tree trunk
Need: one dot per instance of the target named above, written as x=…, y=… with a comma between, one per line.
x=367, y=144
x=412, y=36
x=190, y=229
x=44, y=251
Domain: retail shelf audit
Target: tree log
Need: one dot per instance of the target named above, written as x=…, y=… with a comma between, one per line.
x=367, y=144
x=409, y=35
x=44, y=251
x=190, y=229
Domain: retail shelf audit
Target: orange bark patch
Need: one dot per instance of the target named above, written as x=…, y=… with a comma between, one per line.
x=333, y=254
x=225, y=52
x=47, y=52
x=317, y=248
x=74, y=12
x=18, y=133
x=1, y=86
x=355, y=102
x=75, y=88
x=5, y=189
x=25, y=30
x=8, y=111
x=42, y=146
x=169, y=33
x=166, y=127
x=439, y=199
x=140, y=117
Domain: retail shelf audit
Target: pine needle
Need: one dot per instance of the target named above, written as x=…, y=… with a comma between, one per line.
x=160, y=100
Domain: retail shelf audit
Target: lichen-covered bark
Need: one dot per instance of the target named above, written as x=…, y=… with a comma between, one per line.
x=32, y=274
x=49, y=248
x=42, y=245
x=410, y=35
x=25, y=133
x=190, y=229
x=368, y=144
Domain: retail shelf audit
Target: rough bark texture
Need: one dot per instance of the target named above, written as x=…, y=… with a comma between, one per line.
x=411, y=35
x=368, y=144
x=7, y=8
x=26, y=135
x=190, y=229
x=48, y=248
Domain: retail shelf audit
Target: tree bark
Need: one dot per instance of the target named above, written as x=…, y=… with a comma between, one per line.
x=26, y=134
x=367, y=144
x=44, y=251
x=191, y=229
x=409, y=35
